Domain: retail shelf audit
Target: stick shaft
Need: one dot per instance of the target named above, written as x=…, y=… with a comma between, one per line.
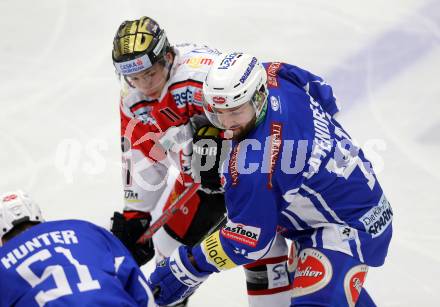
x=180, y=201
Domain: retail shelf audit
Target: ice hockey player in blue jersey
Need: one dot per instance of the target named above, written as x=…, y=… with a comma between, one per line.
x=292, y=170
x=63, y=263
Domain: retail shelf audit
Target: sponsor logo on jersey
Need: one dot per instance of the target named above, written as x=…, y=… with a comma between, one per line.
x=241, y=233
x=198, y=62
x=272, y=74
x=248, y=70
x=229, y=60
x=378, y=218
x=214, y=253
x=219, y=99
x=313, y=272
x=9, y=198
x=233, y=166
x=187, y=92
x=198, y=96
x=182, y=95
x=274, y=103
x=353, y=283
x=277, y=275
x=275, y=144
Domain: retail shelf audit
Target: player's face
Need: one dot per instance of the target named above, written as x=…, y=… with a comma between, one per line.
x=239, y=120
x=150, y=82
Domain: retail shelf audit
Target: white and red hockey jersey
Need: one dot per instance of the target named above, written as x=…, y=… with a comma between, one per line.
x=157, y=134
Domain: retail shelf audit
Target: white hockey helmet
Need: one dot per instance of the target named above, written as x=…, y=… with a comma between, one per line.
x=15, y=208
x=234, y=79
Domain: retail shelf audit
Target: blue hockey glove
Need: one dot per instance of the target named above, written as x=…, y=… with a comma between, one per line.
x=175, y=278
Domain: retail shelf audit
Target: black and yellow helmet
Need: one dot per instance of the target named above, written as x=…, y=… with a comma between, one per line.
x=138, y=44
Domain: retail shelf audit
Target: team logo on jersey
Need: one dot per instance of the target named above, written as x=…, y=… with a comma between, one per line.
x=274, y=103
x=378, y=218
x=142, y=111
x=147, y=119
x=275, y=144
x=214, y=253
x=353, y=283
x=219, y=99
x=313, y=272
x=272, y=74
x=198, y=62
x=241, y=233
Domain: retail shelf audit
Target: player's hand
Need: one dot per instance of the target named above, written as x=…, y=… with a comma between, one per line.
x=207, y=145
x=129, y=227
x=175, y=278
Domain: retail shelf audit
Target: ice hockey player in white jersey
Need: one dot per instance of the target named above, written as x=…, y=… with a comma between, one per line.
x=161, y=109
x=63, y=263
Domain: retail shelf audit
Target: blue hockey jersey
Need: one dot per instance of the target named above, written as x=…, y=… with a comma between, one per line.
x=299, y=173
x=69, y=263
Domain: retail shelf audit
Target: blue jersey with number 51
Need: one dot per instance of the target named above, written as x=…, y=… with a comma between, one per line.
x=69, y=263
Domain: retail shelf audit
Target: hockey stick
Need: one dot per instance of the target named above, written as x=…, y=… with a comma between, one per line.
x=178, y=203
x=221, y=222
